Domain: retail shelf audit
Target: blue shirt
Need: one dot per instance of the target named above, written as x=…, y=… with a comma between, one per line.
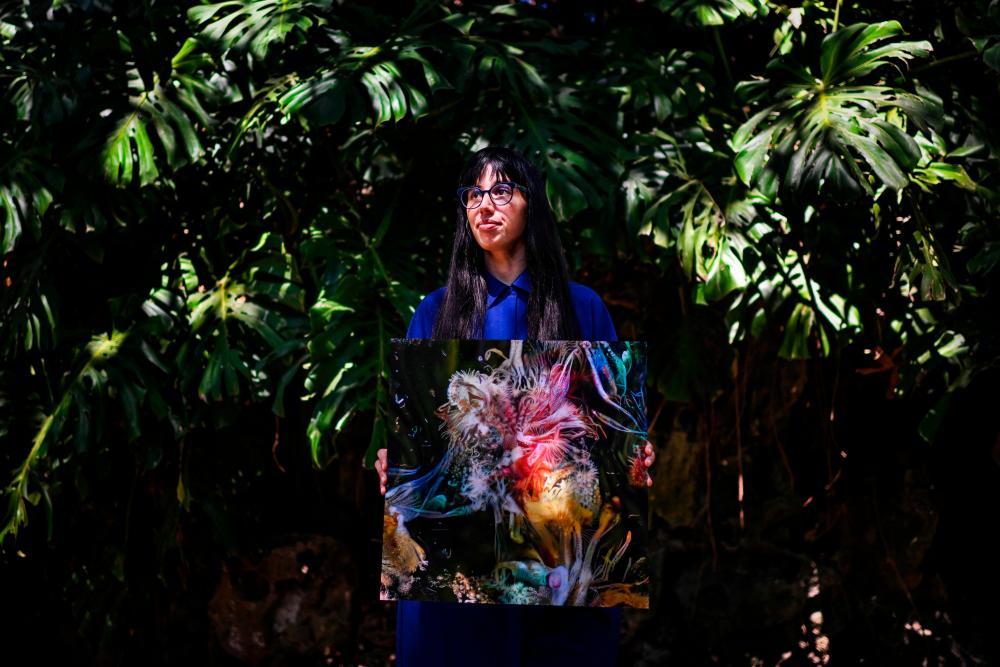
x=443, y=634
x=506, y=306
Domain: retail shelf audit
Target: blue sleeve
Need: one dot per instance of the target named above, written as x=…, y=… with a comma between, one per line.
x=591, y=313
x=422, y=322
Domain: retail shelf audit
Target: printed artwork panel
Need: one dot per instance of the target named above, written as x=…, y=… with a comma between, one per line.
x=515, y=473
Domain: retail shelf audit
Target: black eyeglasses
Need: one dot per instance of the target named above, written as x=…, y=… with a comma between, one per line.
x=501, y=193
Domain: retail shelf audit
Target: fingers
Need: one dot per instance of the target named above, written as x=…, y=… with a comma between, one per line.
x=381, y=464
x=649, y=460
x=650, y=455
x=381, y=485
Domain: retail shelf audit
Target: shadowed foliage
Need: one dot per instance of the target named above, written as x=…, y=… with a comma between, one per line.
x=215, y=215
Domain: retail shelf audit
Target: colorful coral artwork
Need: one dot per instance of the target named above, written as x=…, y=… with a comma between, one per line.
x=515, y=473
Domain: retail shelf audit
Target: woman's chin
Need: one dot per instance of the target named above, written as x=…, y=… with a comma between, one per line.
x=492, y=244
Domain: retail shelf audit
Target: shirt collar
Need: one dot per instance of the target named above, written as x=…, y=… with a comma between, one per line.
x=496, y=287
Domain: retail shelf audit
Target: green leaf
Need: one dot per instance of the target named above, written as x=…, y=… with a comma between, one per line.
x=725, y=269
x=888, y=171
x=255, y=27
x=901, y=146
x=380, y=101
x=752, y=155
x=991, y=57
x=938, y=172
x=460, y=22
x=209, y=388
x=321, y=99
x=712, y=12
x=931, y=422
x=128, y=154
x=833, y=131
x=435, y=81
x=795, y=343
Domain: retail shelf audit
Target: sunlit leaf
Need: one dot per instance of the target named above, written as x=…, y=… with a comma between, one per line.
x=829, y=130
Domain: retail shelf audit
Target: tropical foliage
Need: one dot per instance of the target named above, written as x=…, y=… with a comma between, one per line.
x=215, y=216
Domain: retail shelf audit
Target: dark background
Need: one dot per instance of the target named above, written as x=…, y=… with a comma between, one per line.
x=215, y=217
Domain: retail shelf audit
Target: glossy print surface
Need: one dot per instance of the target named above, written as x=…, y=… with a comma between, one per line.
x=515, y=473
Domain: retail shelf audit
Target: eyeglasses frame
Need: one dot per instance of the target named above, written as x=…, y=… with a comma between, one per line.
x=462, y=190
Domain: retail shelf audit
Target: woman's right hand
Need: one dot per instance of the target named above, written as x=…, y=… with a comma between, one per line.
x=381, y=464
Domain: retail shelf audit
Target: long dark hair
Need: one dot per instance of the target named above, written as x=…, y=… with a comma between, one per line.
x=550, y=313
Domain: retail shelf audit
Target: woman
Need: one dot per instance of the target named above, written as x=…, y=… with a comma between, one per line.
x=507, y=279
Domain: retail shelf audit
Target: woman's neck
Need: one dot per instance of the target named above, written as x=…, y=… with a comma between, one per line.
x=506, y=266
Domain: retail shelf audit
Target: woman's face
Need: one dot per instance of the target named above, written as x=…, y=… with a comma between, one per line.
x=498, y=228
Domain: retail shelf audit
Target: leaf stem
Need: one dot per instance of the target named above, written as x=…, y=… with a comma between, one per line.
x=17, y=489
x=722, y=52
x=947, y=59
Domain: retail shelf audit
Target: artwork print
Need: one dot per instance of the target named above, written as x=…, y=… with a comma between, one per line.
x=516, y=473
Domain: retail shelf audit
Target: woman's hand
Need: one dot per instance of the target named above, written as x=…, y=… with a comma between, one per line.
x=649, y=460
x=381, y=463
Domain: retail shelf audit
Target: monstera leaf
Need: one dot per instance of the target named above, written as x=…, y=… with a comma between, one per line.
x=712, y=12
x=116, y=377
x=24, y=198
x=673, y=84
x=830, y=130
x=169, y=110
x=255, y=26
x=344, y=73
x=243, y=328
x=323, y=96
x=359, y=307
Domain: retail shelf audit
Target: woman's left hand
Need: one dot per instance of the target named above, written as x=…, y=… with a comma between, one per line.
x=648, y=461
x=381, y=465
